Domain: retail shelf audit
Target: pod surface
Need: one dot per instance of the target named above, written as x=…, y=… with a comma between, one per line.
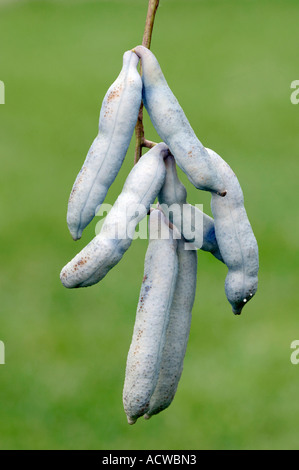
x=140, y=191
x=236, y=240
x=118, y=117
x=173, y=126
x=196, y=226
x=177, y=333
x=152, y=317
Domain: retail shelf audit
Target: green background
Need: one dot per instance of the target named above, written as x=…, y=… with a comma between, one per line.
x=230, y=63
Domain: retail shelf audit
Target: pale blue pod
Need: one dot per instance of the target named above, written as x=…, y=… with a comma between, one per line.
x=177, y=333
x=173, y=126
x=195, y=226
x=140, y=191
x=236, y=240
x=152, y=317
x=118, y=117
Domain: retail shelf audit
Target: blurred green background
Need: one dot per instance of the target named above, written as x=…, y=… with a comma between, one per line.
x=231, y=65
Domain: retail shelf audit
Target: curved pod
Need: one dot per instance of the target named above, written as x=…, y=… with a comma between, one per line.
x=177, y=333
x=174, y=128
x=140, y=191
x=195, y=226
x=152, y=317
x=235, y=238
x=118, y=117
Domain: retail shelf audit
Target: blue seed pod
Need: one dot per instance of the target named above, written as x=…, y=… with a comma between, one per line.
x=140, y=191
x=177, y=333
x=152, y=317
x=194, y=225
x=236, y=240
x=118, y=117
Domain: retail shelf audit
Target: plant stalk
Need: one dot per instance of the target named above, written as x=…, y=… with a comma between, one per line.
x=146, y=42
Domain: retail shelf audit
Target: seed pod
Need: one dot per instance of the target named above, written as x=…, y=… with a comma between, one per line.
x=194, y=225
x=174, y=128
x=108, y=247
x=152, y=317
x=177, y=333
x=235, y=238
x=118, y=117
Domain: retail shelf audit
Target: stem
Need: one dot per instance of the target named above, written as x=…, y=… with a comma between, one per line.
x=139, y=135
x=149, y=22
x=146, y=42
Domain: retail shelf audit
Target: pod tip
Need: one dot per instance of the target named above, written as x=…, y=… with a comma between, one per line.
x=137, y=52
x=131, y=420
x=76, y=234
x=63, y=277
x=237, y=311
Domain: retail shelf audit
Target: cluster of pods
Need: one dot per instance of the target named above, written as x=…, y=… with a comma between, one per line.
x=157, y=351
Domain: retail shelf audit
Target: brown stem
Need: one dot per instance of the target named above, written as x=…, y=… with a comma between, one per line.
x=139, y=135
x=148, y=143
x=146, y=42
x=149, y=22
